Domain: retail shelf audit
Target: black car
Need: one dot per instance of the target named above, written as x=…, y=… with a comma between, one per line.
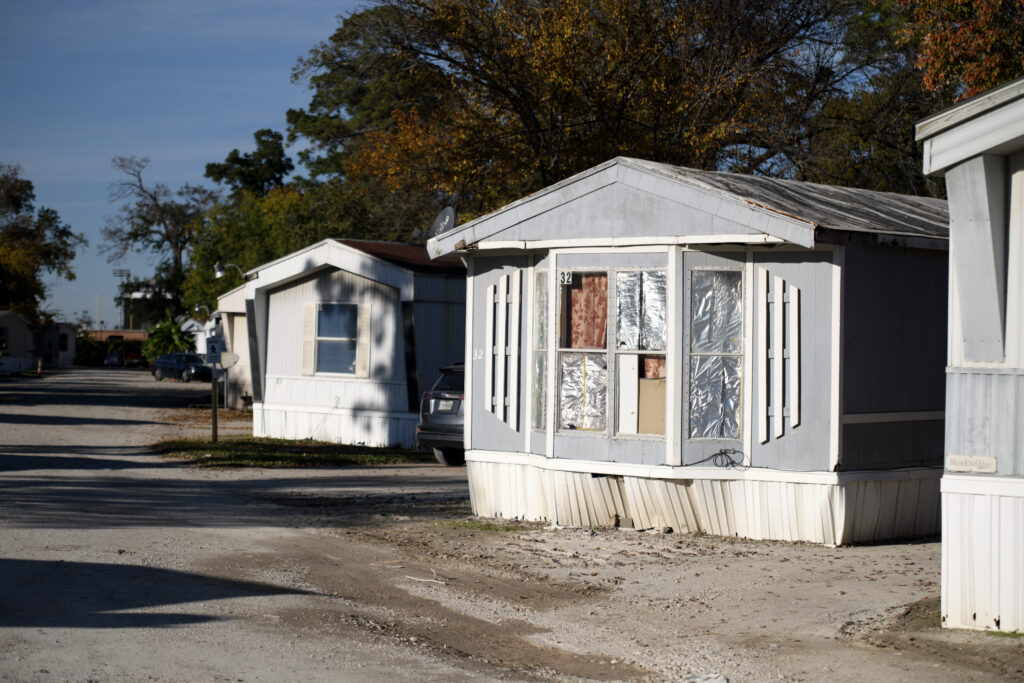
x=183, y=366
x=441, y=417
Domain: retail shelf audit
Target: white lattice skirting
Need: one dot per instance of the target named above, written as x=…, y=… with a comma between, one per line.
x=983, y=552
x=817, y=507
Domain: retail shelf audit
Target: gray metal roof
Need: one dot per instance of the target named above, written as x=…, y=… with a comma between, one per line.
x=970, y=108
x=827, y=206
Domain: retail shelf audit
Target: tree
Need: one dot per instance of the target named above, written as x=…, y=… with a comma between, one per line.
x=519, y=94
x=33, y=243
x=864, y=136
x=166, y=337
x=968, y=45
x=154, y=219
x=257, y=172
x=358, y=81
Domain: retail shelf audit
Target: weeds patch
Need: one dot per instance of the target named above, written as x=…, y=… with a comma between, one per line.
x=477, y=525
x=256, y=452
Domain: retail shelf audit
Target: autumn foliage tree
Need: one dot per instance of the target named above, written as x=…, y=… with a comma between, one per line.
x=533, y=91
x=968, y=45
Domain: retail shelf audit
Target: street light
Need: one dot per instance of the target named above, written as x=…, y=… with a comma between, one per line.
x=219, y=272
x=200, y=306
x=125, y=275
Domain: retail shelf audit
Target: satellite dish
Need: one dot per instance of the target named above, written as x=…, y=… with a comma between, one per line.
x=444, y=222
x=228, y=359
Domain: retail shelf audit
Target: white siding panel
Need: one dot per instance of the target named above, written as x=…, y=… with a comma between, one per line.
x=983, y=554
x=340, y=426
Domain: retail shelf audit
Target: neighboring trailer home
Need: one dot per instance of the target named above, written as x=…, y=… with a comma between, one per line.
x=55, y=344
x=664, y=347
x=197, y=330
x=345, y=335
x=237, y=379
x=16, y=347
x=978, y=146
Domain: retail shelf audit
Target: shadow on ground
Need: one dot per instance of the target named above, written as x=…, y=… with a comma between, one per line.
x=346, y=497
x=62, y=594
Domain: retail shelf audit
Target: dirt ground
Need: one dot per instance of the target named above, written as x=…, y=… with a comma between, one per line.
x=117, y=565
x=534, y=602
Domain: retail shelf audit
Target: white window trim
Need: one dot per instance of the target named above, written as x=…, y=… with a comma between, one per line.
x=311, y=339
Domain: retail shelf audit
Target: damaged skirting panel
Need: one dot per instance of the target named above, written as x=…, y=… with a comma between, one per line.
x=336, y=426
x=983, y=553
x=834, y=513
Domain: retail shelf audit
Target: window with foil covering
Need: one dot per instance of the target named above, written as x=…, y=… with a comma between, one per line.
x=583, y=376
x=540, y=355
x=640, y=340
x=716, y=354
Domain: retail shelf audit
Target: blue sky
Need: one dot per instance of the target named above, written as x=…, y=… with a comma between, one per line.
x=181, y=82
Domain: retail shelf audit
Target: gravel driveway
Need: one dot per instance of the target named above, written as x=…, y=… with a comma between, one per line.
x=118, y=565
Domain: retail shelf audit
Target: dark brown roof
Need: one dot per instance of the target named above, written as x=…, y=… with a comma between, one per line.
x=411, y=256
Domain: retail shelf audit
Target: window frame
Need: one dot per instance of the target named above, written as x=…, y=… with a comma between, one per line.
x=618, y=353
x=317, y=338
x=560, y=328
x=689, y=354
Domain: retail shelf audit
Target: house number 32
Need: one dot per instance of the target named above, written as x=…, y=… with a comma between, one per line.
x=565, y=278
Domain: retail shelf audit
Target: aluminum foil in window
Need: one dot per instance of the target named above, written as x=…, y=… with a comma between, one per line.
x=540, y=390
x=716, y=311
x=628, y=291
x=540, y=305
x=714, y=397
x=595, y=400
x=652, y=321
x=583, y=391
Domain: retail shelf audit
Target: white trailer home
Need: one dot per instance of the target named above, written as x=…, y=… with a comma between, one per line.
x=343, y=337
x=978, y=146
x=709, y=352
x=237, y=379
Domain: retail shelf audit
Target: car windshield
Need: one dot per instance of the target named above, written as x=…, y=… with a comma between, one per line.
x=192, y=359
x=450, y=381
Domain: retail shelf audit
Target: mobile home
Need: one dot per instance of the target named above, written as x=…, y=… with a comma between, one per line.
x=344, y=336
x=657, y=346
x=978, y=146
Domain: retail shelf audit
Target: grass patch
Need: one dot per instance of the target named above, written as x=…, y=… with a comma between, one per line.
x=1006, y=634
x=253, y=452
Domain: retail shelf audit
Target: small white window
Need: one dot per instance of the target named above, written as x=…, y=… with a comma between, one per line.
x=337, y=334
x=336, y=339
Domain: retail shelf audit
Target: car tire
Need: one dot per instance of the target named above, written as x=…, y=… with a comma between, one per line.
x=185, y=376
x=450, y=457
x=158, y=374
